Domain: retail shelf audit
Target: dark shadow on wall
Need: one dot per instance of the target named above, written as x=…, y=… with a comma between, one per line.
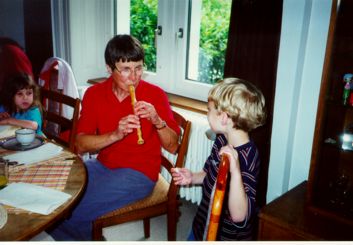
x=252, y=54
x=38, y=32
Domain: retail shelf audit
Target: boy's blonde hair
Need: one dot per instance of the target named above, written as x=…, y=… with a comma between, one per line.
x=241, y=100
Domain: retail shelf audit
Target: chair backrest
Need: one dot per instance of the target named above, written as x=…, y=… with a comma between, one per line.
x=64, y=125
x=57, y=75
x=217, y=203
x=182, y=149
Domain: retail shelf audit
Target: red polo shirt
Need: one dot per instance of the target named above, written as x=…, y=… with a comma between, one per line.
x=101, y=113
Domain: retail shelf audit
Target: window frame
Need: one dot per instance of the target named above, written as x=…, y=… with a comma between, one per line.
x=171, y=51
x=171, y=67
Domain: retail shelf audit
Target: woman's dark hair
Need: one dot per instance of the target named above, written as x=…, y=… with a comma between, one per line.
x=12, y=86
x=123, y=48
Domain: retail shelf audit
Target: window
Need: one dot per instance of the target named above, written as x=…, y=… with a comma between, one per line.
x=185, y=41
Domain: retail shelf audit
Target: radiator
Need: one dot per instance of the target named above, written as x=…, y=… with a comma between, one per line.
x=198, y=151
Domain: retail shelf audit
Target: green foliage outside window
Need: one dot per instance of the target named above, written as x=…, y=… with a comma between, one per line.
x=143, y=23
x=213, y=37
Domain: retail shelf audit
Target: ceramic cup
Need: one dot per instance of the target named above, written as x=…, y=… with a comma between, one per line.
x=25, y=136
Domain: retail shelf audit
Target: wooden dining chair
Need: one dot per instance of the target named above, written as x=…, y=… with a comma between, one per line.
x=64, y=125
x=163, y=200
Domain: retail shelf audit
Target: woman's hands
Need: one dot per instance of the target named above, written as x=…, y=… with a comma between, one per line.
x=126, y=126
x=92, y=143
x=146, y=110
x=130, y=122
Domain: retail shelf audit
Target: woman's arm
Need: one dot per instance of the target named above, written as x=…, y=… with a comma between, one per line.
x=167, y=136
x=93, y=142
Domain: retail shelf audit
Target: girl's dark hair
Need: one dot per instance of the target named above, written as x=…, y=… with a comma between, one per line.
x=125, y=48
x=12, y=86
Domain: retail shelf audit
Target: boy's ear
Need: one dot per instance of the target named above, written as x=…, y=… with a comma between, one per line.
x=224, y=118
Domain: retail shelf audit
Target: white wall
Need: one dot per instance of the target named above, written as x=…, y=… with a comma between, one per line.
x=91, y=27
x=302, y=49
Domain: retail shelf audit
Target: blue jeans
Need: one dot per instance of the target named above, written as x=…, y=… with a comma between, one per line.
x=191, y=236
x=107, y=189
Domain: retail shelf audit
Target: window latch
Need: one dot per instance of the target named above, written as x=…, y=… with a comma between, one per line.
x=157, y=32
x=180, y=33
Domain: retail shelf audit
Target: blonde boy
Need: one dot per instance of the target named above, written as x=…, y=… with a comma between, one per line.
x=235, y=107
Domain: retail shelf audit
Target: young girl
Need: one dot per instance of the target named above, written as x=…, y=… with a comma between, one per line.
x=235, y=107
x=19, y=103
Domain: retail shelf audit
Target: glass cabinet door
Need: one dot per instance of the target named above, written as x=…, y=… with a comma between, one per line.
x=330, y=184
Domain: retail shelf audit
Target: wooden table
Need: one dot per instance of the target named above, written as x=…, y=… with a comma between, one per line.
x=23, y=226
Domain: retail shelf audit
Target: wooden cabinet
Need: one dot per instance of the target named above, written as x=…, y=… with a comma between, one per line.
x=288, y=219
x=330, y=183
x=322, y=207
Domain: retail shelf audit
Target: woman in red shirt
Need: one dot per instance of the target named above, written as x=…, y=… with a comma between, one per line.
x=124, y=170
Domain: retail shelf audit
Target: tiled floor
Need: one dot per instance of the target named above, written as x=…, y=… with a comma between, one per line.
x=133, y=231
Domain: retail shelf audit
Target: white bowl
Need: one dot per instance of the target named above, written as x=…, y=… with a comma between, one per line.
x=25, y=136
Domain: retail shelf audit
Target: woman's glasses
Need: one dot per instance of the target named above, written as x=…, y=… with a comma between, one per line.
x=127, y=71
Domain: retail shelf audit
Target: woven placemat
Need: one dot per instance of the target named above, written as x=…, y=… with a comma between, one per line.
x=52, y=173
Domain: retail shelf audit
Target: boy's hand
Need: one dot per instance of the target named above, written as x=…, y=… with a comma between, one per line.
x=181, y=176
x=233, y=157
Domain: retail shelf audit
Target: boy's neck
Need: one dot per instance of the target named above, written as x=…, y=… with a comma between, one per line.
x=237, y=137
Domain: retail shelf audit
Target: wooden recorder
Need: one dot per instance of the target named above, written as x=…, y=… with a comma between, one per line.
x=140, y=140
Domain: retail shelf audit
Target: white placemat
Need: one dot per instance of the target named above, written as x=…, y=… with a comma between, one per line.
x=34, y=198
x=42, y=153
